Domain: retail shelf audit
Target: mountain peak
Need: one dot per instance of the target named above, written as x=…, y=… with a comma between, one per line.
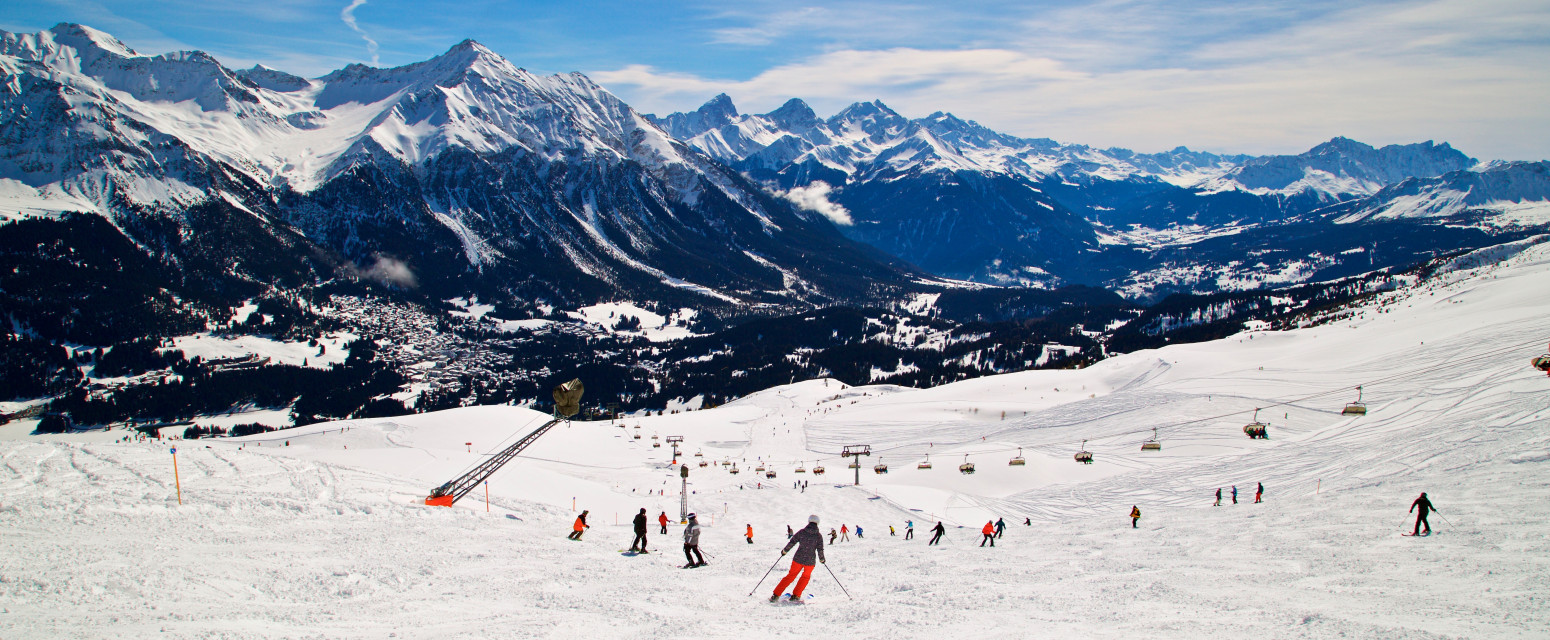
x=81, y=36
x=794, y=116
x=718, y=109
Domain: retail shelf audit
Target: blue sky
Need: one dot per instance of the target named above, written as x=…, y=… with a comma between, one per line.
x=1251, y=77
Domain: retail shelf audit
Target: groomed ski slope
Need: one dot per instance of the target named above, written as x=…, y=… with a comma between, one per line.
x=324, y=537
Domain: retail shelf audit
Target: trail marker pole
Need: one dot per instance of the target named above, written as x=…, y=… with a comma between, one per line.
x=1318, y=487
x=175, y=479
x=486, y=496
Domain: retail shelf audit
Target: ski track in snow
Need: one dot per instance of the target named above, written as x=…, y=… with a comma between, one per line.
x=317, y=531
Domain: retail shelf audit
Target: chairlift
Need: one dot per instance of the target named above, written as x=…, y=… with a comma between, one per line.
x=698, y=454
x=967, y=467
x=733, y=470
x=1355, y=408
x=1256, y=429
x=1151, y=443
x=760, y=468
x=704, y=464
x=1083, y=455
x=1018, y=461
x=1542, y=363
x=770, y=473
x=725, y=463
x=800, y=469
x=880, y=468
x=925, y=464
x=818, y=470
x=656, y=445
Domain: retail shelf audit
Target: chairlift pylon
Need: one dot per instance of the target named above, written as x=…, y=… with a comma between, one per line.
x=1355, y=408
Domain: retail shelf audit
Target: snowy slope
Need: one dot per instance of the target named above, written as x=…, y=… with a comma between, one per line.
x=324, y=536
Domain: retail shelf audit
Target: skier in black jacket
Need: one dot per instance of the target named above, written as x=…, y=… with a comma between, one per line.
x=938, y=530
x=639, y=545
x=809, y=544
x=1420, y=519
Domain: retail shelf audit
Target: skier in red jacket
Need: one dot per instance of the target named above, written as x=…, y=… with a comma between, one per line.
x=990, y=533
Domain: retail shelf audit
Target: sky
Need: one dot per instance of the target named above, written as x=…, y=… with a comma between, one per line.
x=1224, y=76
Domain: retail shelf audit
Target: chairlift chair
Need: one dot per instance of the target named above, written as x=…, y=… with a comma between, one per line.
x=656, y=445
x=1083, y=455
x=1256, y=429
x=698, y=454
x=1355, y=408
x=967, y=467
x=704, y=464
x=1542, y=363
x=770, y=473
x=925, y=464
x=733, y=470
x=880, y=468
x=1152, y=444
x=818, y=470
x=1018, y=461
x=800, y=469
x=760, y=468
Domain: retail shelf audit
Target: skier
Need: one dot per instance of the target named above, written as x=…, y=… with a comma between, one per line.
x=990, y=534
x=1135, y=516
x=809, y=544
x=1235, y=494
x=1000, y=527
x=909, y=529
x=938, y=530
x=580, y=526
x=890, y=531
x=662, y=520
x=1420, y=519
x=1027, y=522
x=692, y=544
x=1259, y=492
x=749, y=535
x=832, y=535
x=1218, y=502
x=858, y=532
x=639, y=545
x=844, y=533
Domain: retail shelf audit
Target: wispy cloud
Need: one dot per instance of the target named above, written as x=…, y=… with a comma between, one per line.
x=815, y=197
x=348, y=16
x=1282, y=80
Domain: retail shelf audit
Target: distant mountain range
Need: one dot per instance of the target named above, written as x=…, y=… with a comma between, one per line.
x=466, y=175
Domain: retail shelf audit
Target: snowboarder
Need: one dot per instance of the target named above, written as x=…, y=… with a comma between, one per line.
x=692, y=544
x=749, y=534
x=662, y=520
x=1135, y=516
x=1235, y=494
x=809, y=544
x=1000, y=527
x=990, y=534
x=909, y=529
x=639, y=545
x=1420, y=519
x=844, y=533
x=1259, y=492
x=938, y=530
x=1218, y=502
x=580, y=526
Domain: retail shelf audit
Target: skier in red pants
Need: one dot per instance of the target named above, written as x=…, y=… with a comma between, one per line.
x=809, y=544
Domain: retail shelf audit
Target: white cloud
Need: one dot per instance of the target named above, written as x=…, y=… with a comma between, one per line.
x=815, y=197
x=348, y=16
x=1469, y=73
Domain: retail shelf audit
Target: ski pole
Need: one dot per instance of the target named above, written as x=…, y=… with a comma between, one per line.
x=767, y=574
x=1444, y=519
x=836, y=580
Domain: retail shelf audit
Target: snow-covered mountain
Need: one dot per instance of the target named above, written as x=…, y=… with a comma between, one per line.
x=1502, y=193
x=965, y=201
x=461, y=173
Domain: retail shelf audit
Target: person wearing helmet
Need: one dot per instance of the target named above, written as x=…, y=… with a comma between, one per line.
x=1420, y=519
x=809, y=544
x=579, y=526
x=990, y=533
x=639, y=545
x=662, y=520
x=692, y=544
x=749, y=534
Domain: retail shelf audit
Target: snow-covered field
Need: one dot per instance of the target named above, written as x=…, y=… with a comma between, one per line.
x=325, y=536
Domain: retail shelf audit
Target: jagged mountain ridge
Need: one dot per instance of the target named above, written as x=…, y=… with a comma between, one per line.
x=464, y=172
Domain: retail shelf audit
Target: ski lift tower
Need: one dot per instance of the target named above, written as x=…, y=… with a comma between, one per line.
x=672, y=441
x=683, y=496
x=856, y=450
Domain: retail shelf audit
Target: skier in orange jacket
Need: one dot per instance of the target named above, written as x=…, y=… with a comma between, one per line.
x=750, y=534
x=580, y=526
x=662, y=520
x=990, y=533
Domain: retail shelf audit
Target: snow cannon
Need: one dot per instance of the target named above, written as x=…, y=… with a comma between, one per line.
x=567, y=398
